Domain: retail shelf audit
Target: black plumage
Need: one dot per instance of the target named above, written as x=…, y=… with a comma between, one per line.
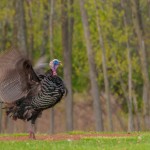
x=25, y=93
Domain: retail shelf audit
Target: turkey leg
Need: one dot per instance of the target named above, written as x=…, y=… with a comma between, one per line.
x=32, y=131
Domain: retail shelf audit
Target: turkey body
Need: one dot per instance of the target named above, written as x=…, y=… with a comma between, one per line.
x=51, y=91
x=25, y=93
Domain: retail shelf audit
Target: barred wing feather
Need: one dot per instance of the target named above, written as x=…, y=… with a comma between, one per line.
x=16, y=76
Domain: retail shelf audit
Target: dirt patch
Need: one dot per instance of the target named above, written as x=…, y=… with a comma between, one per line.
x=59, y=137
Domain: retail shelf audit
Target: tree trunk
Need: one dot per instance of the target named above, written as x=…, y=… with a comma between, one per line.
x=126, y=95
x=136, y=112
x=137, y=21
x=148, y=3
x=5, y=124
x=52, y=111
x=93, y=75
x=120, y=120
x=51, y=27
x=130, y=107
x=20, y=25
x=20, y=30
x=106, y=81
x=71, y=24
x=5, y=34
x=67, y=54
x=30, y=28
x=45, y=36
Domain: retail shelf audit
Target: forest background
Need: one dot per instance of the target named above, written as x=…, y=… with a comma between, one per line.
x=104, y=47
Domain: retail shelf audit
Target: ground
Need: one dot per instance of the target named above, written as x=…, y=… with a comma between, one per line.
x=77, y=141
x=59, y=137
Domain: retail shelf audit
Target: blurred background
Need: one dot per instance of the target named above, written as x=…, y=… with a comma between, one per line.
x=104, y=47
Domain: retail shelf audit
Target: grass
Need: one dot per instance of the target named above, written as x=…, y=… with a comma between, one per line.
x=139, y=142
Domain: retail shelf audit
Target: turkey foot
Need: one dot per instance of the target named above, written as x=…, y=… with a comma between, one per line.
x=32, y=131
x=32, y=135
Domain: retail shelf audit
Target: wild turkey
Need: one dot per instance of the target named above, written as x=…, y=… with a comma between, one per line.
x=25, y=93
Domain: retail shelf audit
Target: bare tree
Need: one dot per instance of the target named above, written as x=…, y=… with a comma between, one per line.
x=67, y=27
x=93, y=75
x=148, y=3
x=45, y=36
x=20, y=32
x=138, y=26
x=104, y=64
x=20, y=25
x=5, y=34
x=52, y=112
x=30, y=28
x=129, y=102
x=51, y=26
x=136, y=112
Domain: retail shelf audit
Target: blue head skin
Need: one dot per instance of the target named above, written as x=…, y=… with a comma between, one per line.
x=54, y=65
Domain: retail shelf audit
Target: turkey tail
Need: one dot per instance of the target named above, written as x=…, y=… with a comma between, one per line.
x=16, y=76
x=21, y=111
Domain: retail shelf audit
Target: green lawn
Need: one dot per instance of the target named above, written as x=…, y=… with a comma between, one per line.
x=139, y=142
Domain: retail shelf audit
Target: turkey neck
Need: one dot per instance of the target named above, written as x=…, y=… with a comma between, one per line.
x=51, y=72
